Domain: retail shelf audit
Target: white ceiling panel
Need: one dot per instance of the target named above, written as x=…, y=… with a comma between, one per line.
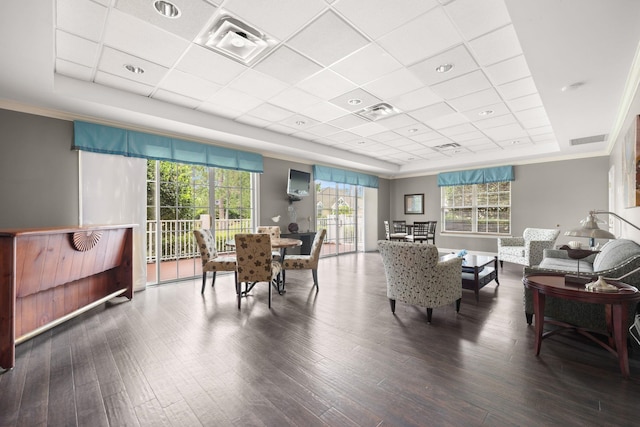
x=324, y=111
x=258, y=84
x=294, y=99
x=189, y=85
x=76, y=71
x=81, y=17
x=296, y=69
x=394, y=84
x=366, y=65
x=76, y=49
x=270, y=112
x=525, y=102
x=463, y=85
x=326, y=84
x=348, y=100
x=458, y=57
x=432, y=111
x=174, y=98
x=475, y=100
x=209, y=65
x=475, y=18
x=517, y=89
x=414, y=100
x=114, y=62
x=496, y=46
x=508, y=70
x=425, y=36
x=327, y=39
x=237, y=101
x=123, y=84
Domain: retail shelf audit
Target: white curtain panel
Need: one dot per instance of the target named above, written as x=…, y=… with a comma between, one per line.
x=113, y=190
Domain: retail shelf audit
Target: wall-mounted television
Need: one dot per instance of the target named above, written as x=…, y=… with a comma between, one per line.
x=298, y=184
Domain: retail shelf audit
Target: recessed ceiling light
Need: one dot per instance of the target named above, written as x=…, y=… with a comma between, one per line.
x=134, y=69
x=486, y=113
x=444, y=68
x=166, y=9
x=360, y=142
x=411, y=158
x=354, y=101
x=514, y=142
x=414, y=130
x=301, y=122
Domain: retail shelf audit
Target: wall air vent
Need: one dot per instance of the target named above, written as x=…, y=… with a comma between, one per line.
x=450, y=146
x=588, y=139
x=236, y=40
x=378, y=111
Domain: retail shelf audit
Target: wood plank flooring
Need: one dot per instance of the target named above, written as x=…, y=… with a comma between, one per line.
x=172, y=357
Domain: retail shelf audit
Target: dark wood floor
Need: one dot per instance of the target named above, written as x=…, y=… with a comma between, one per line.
x=338, y=358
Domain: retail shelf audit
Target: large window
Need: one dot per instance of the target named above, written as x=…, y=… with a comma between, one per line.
x=477, y=208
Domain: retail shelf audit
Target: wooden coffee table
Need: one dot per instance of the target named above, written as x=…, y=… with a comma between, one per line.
x=476, y=271
x=617, y=305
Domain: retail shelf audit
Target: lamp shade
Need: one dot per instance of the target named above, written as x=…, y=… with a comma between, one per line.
x=590, y=229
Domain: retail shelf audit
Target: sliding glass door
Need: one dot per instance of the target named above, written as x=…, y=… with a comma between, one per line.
x=340, y=209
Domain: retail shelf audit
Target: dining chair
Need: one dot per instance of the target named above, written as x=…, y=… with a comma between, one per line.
x=209, y=255
x=274, y=232
x=420, y=232
x=254, y=263
x=399, y=226
x=431, y=231
x=393, y=236
x=307, y=262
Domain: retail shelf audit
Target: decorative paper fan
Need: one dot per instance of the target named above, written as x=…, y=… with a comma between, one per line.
x=86, y=240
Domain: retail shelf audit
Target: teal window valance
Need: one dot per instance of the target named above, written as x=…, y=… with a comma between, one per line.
x=111, y=140
x=325, y=173
x=476, y=176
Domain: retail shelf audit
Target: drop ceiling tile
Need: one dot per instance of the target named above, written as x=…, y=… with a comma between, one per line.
x=209, y=65
x=464, y=128
x=458, y=56
x=425, y=36
x=475, y=18
x=324, y=112
x=447, y=121
x=413, y=130
x=503, y=133
x=543, y=137
x=509, y=70
x=462, y=85
x=394, y=84
x=113, y=61
x=74, y=70
x=540, y=131
x=496, y=46
x=121, y=83
x=343, y=136
x=507, y=119
x=276, y=127
x=175, y=98
x=141, y=39
x=281, y=21
x=469, y=138
x=471, y=143
x=533, y=118
x=76, y=49
x=326, y=84
x=384, y=136
x=367, y=64
x=518, y=88
x=327, y=39
x=475, y=100
x=189, y=85
x=270, y=112
x=397, y=121
x=81, y=17
x=305, y=135
x=425, y=137
x=237, y=101
x=479, y=113
x=382, y=16
x=413, y=100
x=294, y=99
x=299, y=122
x=193, y=15
x=288, y=66
x=367, y=129
x=366, y=99
x=525, y=102
x=347, y=122
x=258, y=84
x=432, y=111
x=323, y=129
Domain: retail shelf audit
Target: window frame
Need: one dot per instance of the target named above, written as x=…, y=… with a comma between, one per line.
x=478, y=194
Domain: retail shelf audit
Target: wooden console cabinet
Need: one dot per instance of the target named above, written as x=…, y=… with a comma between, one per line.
x=307, y=241
x=49, y=275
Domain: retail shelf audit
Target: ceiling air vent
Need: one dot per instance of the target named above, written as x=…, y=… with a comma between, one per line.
x=236, y=40
x=450, y=146
x=588, y=139
x=378, y=111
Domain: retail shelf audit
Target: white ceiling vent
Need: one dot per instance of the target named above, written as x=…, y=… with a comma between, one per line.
x=588, y=139
x=236, y=40
x=378, y=111
x=450, y=146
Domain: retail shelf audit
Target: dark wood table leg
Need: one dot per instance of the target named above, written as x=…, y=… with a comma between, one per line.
x=476, y=283
x=620, y=336
x=495, y=267
x=538, y=312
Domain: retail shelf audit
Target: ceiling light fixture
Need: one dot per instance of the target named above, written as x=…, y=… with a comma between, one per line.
x=572, y=86
x=134, y=69
x=444, y=68
x=486, y=113
x=360, y=142
x=301, y=122
x=354, y=101
x=514, y=142
x=377, y=111
x=413, y=130
x=166, y=9
x=236, y=40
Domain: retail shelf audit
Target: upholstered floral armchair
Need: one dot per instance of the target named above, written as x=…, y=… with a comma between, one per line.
x=528, y=249
x=415, y=275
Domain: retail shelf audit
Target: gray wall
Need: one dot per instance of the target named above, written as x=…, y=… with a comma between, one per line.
x=273, y=196
x=38, y=172
x=544, y=195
